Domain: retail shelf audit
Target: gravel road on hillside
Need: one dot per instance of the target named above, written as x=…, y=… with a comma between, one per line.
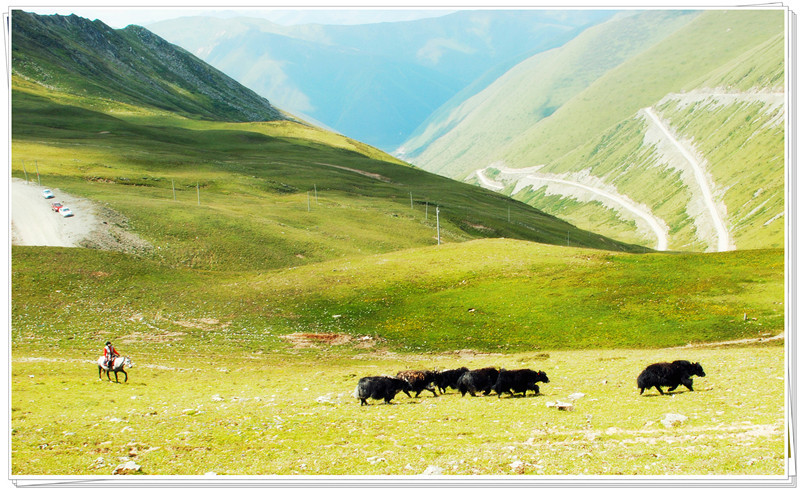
x=610, y=199
x=33, y=222
x=701, y=177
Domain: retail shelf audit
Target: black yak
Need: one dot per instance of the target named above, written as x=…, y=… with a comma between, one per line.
x=419, y=380
x=380, y=388
x=482, y=379
x=448, y=378
x=516, y=381
x=669, y=375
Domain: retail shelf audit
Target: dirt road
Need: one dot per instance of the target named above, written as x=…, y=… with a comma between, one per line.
x=33, y=222
x=605, y=197
x=702, y=179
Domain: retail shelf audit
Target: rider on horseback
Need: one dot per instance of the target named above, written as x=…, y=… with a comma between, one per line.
x=110, y=353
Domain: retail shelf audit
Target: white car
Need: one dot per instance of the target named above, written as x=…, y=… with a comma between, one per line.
x=47, y=193
x=64, y=211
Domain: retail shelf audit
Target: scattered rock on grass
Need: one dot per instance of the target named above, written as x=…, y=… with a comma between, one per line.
x=433, y=470
x=672, y=419
x=561, y=406
x=127, y=468
x=331, y=398
x=100, y=462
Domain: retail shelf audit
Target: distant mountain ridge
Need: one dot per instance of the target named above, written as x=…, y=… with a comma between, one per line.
x=374, y=82
x=131, y=65
x=678, y=145
x=532, y=91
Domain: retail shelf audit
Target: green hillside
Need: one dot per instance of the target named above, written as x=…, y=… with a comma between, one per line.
x=461, y=140
x=715, y=84
x=87, y=58
x=270, y=196
x=713, y=40
x=486, y=295
x=256, y=181
x=741, y=137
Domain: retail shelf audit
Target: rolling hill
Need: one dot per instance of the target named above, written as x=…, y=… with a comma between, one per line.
x=257, y=179
x=674, y=141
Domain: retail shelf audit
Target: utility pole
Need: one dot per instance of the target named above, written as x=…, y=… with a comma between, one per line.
x=438, y=236
x=411, y=196
x=174, y=197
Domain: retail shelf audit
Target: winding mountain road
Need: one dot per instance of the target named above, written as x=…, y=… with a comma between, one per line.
x=610, y=199
x=603, y=196
x=723, y=238
x=488, y=182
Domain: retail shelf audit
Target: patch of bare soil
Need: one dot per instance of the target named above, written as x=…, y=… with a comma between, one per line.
x=205, y=324
x=113, y=234
x=376, y=176
x=316, y=340
x=744, y=341
x=33, y=222
x=479, y=227
x=151, y=337
x=468, y=354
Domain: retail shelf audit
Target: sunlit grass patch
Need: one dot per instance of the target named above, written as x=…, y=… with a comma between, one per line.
x=261, y=414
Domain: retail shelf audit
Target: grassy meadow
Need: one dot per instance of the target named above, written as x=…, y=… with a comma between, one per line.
x=220, y=383
x=256, y=414
x=311, y=261
x=488, y=295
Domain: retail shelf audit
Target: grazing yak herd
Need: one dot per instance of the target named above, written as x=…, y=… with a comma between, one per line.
x=502, y=381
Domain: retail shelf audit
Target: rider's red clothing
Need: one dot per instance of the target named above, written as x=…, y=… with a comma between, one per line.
x=110, y=352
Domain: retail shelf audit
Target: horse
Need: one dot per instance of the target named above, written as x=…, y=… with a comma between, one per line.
x=119, y=366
